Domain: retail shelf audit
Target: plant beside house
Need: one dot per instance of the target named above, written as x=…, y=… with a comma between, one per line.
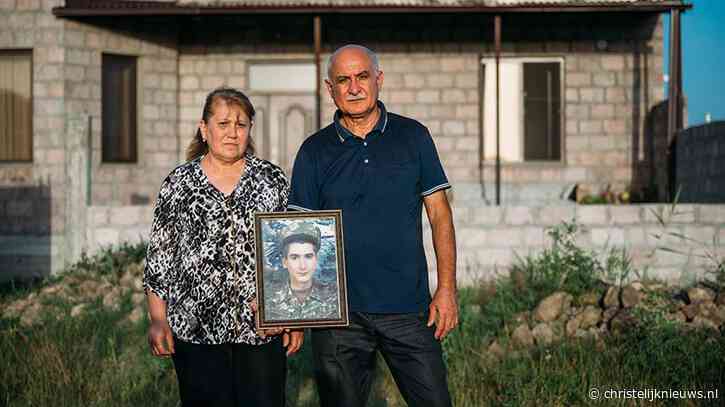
x=607, y=196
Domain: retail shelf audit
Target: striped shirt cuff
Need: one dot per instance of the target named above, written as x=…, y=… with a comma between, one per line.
x=298, y=208
x=435, y=188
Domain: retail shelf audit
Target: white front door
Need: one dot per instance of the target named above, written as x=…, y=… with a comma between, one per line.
x=283, y=122
x=283, y=94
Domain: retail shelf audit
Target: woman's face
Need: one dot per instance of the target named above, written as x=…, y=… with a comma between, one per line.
x=227, y=131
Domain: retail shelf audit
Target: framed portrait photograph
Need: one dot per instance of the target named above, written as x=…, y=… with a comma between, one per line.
x=300, y=269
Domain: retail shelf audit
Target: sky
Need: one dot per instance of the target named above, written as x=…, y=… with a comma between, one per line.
x=703, y=59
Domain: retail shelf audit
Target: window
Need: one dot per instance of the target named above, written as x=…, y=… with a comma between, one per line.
x=530, y=112
x=118, y=108
x=282, y=77
x=16, y=105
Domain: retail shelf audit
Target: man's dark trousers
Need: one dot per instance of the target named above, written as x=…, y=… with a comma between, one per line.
x=345, y=359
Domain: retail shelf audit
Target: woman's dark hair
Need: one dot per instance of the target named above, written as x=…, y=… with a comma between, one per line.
x=231, y=96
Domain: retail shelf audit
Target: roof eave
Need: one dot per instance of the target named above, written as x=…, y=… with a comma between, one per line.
x=180, y=11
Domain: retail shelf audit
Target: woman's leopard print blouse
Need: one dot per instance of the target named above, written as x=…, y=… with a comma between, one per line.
x=200, y=256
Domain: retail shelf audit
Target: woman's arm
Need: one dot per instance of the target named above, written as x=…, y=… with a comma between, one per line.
x=160, y=270
x=160, y=338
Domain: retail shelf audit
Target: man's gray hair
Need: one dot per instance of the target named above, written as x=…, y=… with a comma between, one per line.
x=367, y=51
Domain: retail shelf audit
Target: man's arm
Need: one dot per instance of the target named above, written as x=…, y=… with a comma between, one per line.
x=444, y=307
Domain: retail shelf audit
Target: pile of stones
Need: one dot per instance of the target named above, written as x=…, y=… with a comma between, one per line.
x=611, y=311
x=81, y=291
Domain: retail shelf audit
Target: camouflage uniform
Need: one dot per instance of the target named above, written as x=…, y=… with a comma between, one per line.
x=321, y=303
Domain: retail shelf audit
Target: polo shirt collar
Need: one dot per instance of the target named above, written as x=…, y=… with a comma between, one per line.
x=344, y=134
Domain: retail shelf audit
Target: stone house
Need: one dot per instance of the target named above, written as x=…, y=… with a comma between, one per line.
x=100, y=98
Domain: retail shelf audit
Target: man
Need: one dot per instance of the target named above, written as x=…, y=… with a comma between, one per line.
x=301, y=296
x=380, y=169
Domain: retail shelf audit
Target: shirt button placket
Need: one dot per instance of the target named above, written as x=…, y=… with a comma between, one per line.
x=366, y=160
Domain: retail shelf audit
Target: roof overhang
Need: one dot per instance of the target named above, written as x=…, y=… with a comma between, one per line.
x=85, y=8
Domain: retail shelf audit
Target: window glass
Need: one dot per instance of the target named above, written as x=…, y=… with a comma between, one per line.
x=16, y=105
x=118, y=141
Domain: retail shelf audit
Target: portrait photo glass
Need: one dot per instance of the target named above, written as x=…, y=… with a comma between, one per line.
x=300, y=269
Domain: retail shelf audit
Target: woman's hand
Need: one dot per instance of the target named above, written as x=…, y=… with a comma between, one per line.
x=263, y=333
x=160, y=338
x=291, y=339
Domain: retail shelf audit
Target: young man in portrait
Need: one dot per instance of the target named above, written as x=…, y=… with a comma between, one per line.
x=301, y=296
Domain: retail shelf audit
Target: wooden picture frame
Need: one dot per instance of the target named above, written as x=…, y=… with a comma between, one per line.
x=300, y=273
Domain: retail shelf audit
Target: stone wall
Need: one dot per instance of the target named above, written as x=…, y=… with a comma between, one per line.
x=604, y=114
x=111, y=225
x=612, y=78
x=700, y=164
x=489, y=239
x=25, y=214
x=34, y=205
x=67, y=88
x=157, y=108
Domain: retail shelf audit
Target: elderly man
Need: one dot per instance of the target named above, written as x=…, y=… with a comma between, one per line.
x=380, y=169
x=301, y=296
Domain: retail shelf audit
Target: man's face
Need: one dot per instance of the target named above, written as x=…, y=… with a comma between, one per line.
x=353, y=84
x=301, y=263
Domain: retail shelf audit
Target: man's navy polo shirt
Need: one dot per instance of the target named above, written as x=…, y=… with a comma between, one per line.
x=379, y=183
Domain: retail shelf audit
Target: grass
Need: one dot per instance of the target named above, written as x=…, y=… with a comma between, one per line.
x=100, y=359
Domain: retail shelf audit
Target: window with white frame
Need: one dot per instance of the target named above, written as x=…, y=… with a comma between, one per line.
x=530, y=123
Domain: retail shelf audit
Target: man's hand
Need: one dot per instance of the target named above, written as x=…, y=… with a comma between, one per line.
x=160, y=338
x=443, y=311
x=292, y=340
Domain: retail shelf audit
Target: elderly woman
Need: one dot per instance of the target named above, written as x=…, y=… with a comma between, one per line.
x=199, y=275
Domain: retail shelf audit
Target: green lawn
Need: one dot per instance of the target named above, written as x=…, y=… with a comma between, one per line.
x=101, y=359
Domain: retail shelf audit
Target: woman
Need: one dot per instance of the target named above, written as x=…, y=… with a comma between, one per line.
x=199, y=275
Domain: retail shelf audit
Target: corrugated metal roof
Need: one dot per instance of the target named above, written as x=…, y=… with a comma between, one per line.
x=173, y=7
x=413, y=3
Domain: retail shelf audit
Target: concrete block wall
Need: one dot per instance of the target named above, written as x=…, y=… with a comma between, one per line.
x=441, y=91
x=157, y=106
x=67, y=86
x=198, y=75
x=32, y=202
x=111, y=225
x=608, y=94
x=489, y=239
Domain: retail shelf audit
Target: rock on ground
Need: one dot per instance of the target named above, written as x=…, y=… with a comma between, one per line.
x=551, y=307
